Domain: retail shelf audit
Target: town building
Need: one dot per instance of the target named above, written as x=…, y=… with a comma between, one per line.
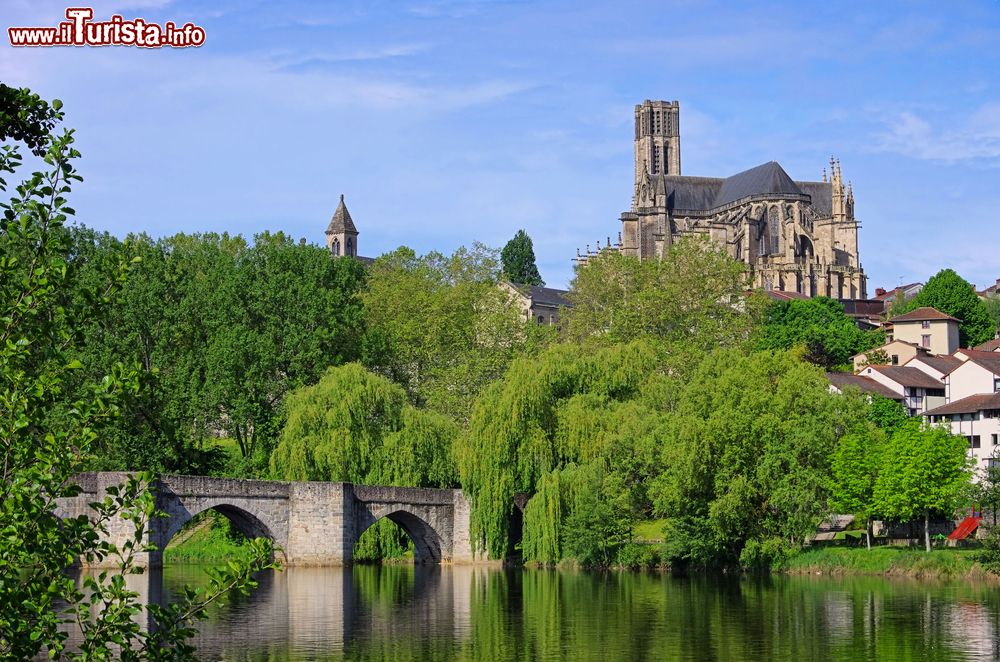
x=926, y=327
x=919, y=390
x=842, y=381
x=894, y=352
x=797, y=236
x=541, y=305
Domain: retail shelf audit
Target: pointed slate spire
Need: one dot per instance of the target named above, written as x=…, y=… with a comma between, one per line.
x=341, y=221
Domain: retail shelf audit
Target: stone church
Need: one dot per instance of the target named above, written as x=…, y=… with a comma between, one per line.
x=797, y=236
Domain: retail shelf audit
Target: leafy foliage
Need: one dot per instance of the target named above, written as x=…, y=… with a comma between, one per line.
x=441, y=326
x=517, y=261
x=355, y=426
x=820, y=325
x=49, y=421
x=992, y=304
x=925, y=470
x=746, y=457
x=26, y=117
x=951, y=294
x=692, y=301
x=222, y=331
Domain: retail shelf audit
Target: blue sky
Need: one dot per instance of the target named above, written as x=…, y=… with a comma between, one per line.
x=445, y=122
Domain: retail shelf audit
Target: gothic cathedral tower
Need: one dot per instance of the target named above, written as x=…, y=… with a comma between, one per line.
x=657, y=138
x=341, y=235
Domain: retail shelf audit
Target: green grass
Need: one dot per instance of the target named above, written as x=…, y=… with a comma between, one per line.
x=649, y=530
x=943, y=563
x=209, y=538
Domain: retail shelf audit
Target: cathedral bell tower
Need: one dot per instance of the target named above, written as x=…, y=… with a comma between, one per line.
x=341, y=235
x=657, y=139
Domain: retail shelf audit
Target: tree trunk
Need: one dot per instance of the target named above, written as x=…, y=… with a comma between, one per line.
x=927, y=529
x=868, y=533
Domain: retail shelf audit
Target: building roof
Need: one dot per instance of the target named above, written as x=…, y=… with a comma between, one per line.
x=940, y=362
x=921, y=314
x=341, y=221
x=782, y=295
x=904, y=376
x=989, y=346
x=707, y=193
x=766, y=179
x=891, y=294
x=840, y=380
x=988, y=360
x=544, y=295
x=968, y=405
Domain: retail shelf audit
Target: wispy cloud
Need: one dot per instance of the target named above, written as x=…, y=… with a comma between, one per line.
x=975, y=137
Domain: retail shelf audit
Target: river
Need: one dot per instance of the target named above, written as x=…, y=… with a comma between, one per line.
x=405, y=613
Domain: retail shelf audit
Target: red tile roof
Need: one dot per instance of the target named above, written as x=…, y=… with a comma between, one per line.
x=912, y=377
x=968, y=405
x=840, y=380
x=940, y=362
x=921, y=314
x=989, y=346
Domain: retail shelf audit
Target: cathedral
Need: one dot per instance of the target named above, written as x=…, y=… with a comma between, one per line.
x=797, y=236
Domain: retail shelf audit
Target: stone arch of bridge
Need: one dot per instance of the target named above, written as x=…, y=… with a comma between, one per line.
x=248, y=523
x=427, y=542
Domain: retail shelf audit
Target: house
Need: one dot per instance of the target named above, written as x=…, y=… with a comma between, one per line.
x=898, y=352
x=919, y=390
x=989, y=346
x=991, y=290
x=978, y=374
x=977, y=418
x=539, y=304
x=901, y=293
x=839, y=381
x=927, y=327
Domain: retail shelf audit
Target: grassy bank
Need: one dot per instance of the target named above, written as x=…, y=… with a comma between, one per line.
x=211, y=539
x=892, y=561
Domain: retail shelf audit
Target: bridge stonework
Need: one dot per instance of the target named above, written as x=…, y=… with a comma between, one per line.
x=312, y=523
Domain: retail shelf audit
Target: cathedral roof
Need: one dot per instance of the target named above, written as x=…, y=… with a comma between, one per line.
x=341, y=221
x=707, y=193
x=766, y=179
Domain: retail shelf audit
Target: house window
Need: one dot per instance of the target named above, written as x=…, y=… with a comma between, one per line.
x=996, y=439
x=996, y=384
x=925, y=340
x=973, y=440
x=925, y=324
x=895, y=359
x=992, y=462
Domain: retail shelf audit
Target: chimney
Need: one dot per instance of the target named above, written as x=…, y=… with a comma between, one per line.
x=879, y=291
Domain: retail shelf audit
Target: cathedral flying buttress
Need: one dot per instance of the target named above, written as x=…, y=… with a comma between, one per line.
x=796, y=236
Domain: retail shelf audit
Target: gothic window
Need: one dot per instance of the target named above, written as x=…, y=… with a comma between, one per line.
x=656, y=160
x=666, y=158
x=336, y=247
x=350, y=248
x=773, y=228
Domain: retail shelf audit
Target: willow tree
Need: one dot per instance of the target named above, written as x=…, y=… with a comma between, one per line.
x=355, y=426
x=568, y=405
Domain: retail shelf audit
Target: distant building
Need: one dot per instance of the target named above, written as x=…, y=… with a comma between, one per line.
x=920, y=391
x=796, y=236
x=992, y=290
x=541, y=305
x=841, y=381
x=926, y=327
x=901, y=293
x=897, y=352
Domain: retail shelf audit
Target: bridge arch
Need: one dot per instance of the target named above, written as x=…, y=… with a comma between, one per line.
x=427, y=542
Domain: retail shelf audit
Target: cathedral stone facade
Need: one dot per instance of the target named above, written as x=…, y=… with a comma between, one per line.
x=797, y=236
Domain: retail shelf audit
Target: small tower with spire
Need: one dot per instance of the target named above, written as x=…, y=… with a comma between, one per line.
x=341, y=235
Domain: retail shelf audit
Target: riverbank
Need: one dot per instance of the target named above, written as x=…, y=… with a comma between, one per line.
x=943, y=564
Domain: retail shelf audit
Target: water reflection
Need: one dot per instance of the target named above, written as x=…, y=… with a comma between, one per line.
x=466, y=613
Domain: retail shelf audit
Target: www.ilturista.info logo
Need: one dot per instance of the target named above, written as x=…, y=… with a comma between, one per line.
x=81, y=30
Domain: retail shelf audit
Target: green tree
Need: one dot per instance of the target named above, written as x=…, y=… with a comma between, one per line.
x=746, y=458
x=820, y=325
x=925, y=470
x=26, y=117
x=855, y=466
x=953, y=295
x=48, y=424
x=888, y=415
x=441, y=327
x=692, y=301
x=356, y=426
x=992, y=303
x=517, y=261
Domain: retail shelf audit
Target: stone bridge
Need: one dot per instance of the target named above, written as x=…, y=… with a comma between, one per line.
x=312, y=523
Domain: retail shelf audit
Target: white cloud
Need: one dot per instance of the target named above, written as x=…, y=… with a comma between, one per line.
x=975, y=137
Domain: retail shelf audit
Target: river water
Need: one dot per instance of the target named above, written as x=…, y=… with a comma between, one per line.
x=465, y=613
